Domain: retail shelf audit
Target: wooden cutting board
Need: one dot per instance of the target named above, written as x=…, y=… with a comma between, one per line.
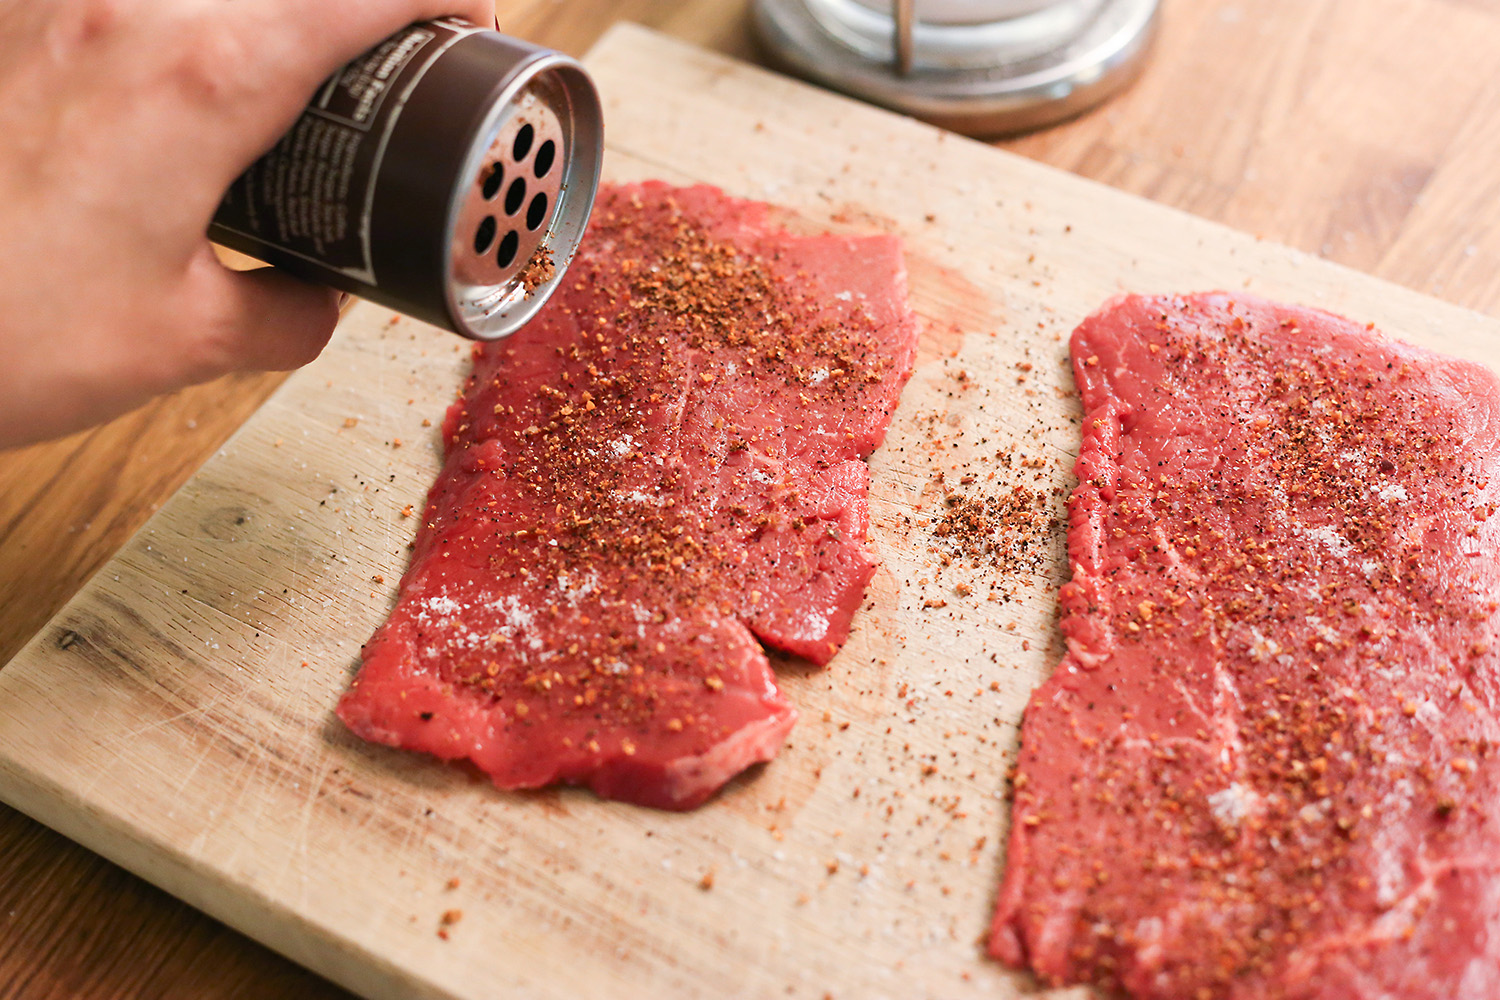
x=177, y=716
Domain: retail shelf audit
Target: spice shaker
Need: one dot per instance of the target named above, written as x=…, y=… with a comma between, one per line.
x=447, y=173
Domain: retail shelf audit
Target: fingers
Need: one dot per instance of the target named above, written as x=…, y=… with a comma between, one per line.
x=271, y=55
x=338, y=30
x=263, y=320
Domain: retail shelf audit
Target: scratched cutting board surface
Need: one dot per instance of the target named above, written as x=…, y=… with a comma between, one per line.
x=177, y=715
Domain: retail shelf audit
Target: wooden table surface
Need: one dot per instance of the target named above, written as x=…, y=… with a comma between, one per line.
x=1366, y=131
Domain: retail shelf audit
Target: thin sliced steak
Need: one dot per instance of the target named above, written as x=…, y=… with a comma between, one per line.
x=1267, y=766
x=665, y=465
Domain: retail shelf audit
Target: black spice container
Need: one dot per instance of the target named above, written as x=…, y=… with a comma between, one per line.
x=447, y=173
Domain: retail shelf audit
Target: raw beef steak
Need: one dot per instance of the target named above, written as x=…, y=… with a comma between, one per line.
x=665, y=465
x=1267, y=765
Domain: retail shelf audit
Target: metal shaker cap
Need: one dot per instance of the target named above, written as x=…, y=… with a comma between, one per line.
x=530, y=177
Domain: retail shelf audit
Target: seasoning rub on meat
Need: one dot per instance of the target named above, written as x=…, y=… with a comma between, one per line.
x=1268, y=765
x=663, y=467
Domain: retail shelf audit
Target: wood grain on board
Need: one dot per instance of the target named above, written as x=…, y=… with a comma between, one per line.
x=1363, y=130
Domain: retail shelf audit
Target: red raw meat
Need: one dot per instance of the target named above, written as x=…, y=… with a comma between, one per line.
x=666, y=464
x=1267, y=765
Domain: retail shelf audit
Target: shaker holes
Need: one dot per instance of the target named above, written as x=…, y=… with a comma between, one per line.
x=537, y=213
x=514, y=196
x=523, y=142
x=506, y=255
x=484, y=237
x=491, y=186
x=544, y=157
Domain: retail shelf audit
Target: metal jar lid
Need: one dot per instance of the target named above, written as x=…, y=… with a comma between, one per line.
x=982, y=68
x=530, y=172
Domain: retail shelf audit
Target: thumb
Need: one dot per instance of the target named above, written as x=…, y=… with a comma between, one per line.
x=262, y=320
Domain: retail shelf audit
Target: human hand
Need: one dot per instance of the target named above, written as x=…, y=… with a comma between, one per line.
x=123, y=122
